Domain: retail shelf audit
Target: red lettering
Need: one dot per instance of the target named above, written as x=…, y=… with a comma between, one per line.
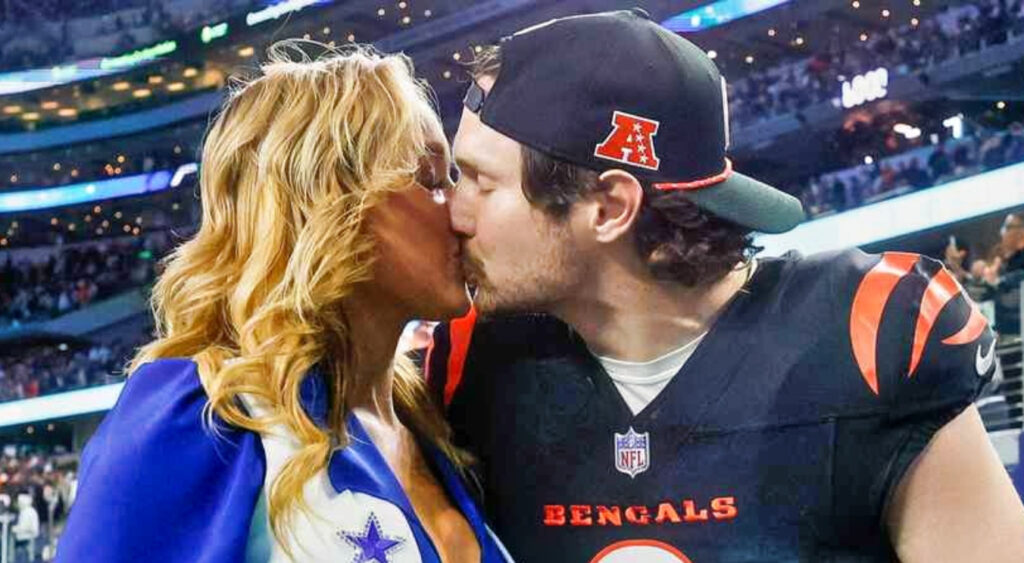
x=692, y=514
x=554, y=515
x=580, y=515
x=724, y=508
x=607, y=516
x=638, y=515
x=667, y=512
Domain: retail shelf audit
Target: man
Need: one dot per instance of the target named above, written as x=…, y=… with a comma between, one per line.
x=679, y=401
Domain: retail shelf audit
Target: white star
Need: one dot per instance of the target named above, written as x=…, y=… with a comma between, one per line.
x=643, y=149
x=636, y=127
x=643, y=159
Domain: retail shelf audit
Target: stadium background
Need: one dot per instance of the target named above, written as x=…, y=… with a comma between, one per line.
x=897, y=122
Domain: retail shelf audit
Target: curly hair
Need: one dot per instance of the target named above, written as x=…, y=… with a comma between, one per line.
x=677, y=240
x=291, y=167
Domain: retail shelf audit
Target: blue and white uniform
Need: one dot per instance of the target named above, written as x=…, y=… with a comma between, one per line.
x=156, y=485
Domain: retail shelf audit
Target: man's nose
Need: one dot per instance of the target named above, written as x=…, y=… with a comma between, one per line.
x=462, y=210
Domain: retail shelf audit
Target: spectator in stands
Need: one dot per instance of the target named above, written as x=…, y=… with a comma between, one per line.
x=25, y=530
x=997, y=276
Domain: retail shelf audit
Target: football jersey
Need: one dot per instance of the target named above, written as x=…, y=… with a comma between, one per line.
x=156, y=485
x=781, y=439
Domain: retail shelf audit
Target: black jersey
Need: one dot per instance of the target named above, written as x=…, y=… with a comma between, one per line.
x=781, y=438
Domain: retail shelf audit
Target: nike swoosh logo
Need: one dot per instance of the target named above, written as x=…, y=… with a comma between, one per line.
x=984, y=363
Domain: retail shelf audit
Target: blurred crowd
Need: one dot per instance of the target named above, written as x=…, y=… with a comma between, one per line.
x=85, y=165
x=962, y=27
x=56, y=26
x=40, y=288
x=914, y=170
x=46, y=369
x=37, y=486
x=995, y=273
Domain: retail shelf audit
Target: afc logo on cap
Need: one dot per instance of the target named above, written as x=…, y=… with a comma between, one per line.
x=631, y=141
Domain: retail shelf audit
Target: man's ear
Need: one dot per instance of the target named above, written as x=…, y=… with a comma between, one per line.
x=615, y=206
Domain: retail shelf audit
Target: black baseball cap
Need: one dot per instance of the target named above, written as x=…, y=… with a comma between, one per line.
x=616, y=90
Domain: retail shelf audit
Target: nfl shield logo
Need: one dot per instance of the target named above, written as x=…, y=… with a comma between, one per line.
x=632, y=452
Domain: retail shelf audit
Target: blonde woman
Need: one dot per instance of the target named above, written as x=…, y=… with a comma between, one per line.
x=270, y=419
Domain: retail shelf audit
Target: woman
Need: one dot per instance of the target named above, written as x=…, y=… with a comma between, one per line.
x=270, y=420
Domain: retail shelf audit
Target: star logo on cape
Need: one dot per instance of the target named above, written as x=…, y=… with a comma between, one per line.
x=371, y=545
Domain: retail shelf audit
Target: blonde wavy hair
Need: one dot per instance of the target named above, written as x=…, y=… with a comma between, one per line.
x=290, y=167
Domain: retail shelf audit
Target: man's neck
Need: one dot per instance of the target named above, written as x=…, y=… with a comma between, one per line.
x=637, y=319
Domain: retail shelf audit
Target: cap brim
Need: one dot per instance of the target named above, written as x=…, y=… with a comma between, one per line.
x=748, y=202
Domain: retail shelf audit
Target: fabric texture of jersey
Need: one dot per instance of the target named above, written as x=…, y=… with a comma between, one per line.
x=156, y=485
x=780, y=439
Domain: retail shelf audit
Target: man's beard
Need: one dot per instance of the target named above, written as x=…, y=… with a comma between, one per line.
x=536, y=287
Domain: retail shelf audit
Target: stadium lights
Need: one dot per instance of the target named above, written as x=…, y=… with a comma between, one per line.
x=31, y=116
x=211, y=32
x=183, y=171
x=955, y=124
x=718, y=13
x=1000, y=105
x=189, y=72
x=141, y=93
x=67, y=112
x=277, y=10
x=10, y=110
x=246, y=51
x=865, y=88
x=907, y=131
x=120, y=86
x=49, y=104
x=155, y=79
x=427, y=13
x=139, y=56
x=176, y=86
x=87, y=192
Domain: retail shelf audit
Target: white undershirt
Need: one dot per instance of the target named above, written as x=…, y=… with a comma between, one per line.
x=640, y=382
